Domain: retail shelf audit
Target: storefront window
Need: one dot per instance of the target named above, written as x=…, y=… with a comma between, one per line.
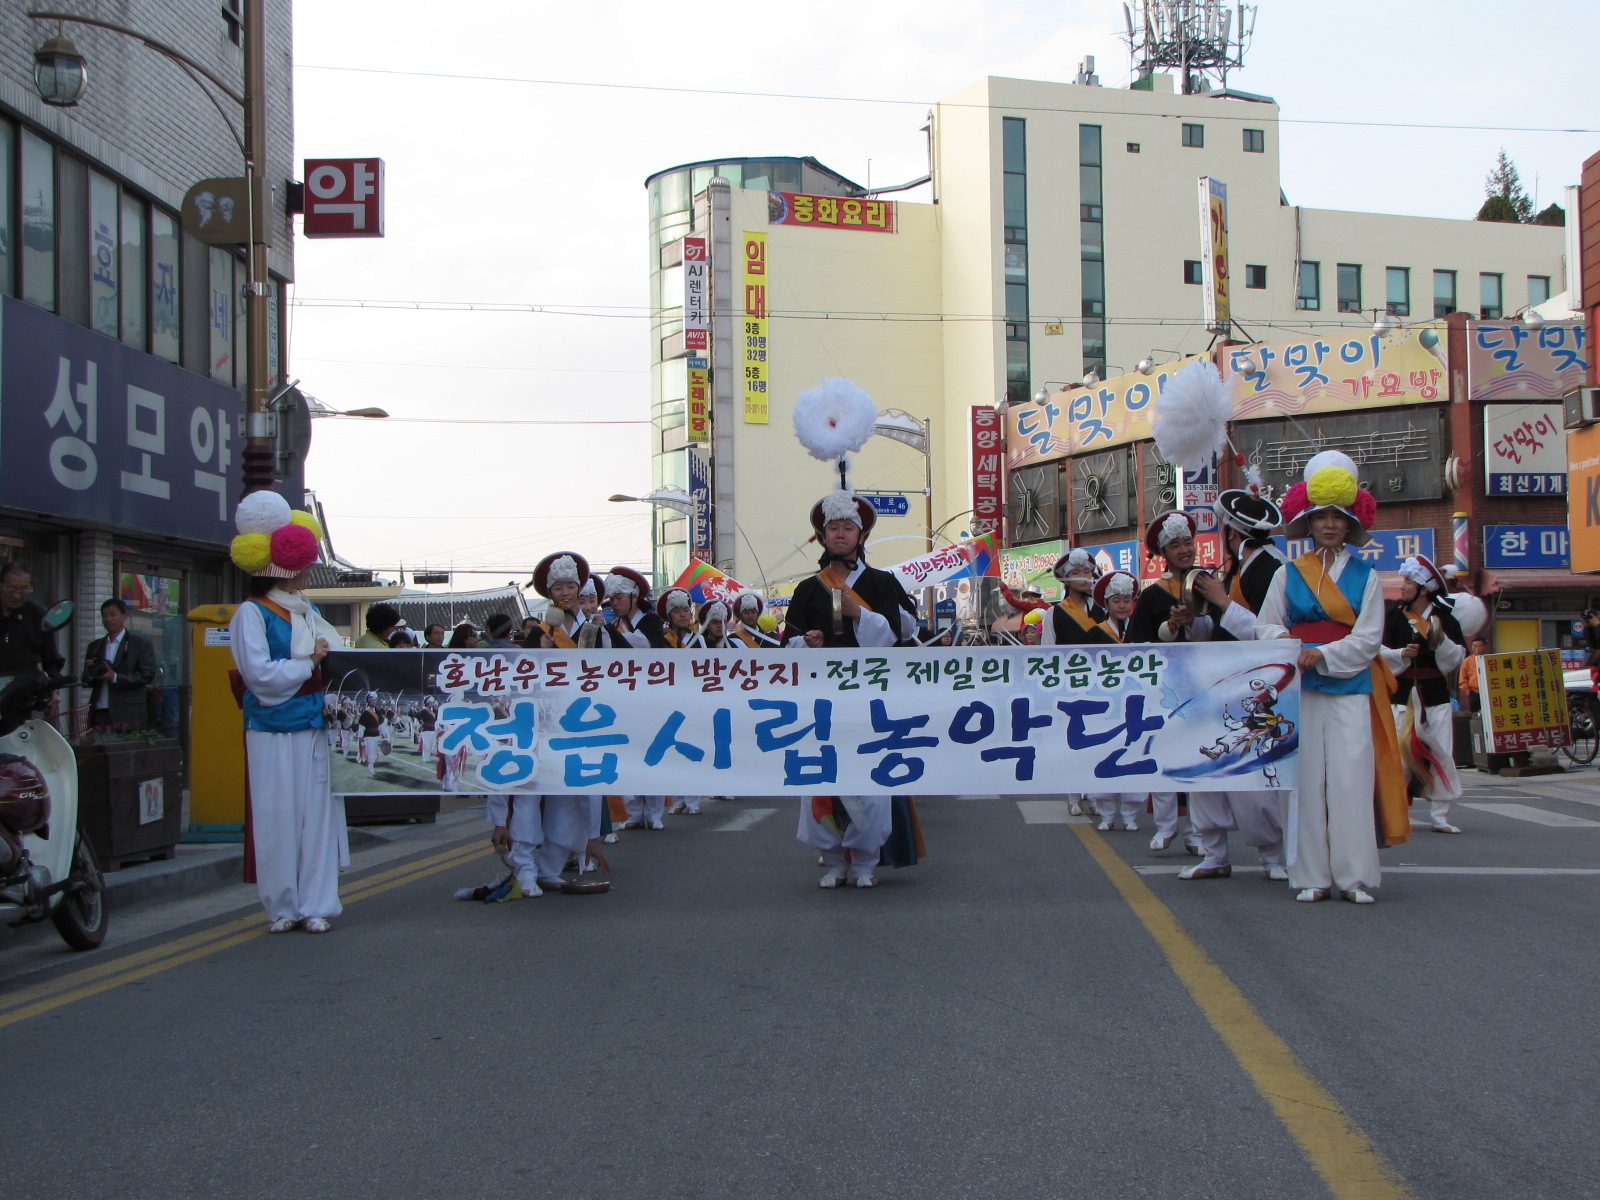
x=104, y=311
x=38, y=221
x=8, y=145
x=135, y=291
x=165, y=339
x=155, y=611
x=221, y=316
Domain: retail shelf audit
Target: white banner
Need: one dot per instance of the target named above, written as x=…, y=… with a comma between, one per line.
x=1003, y=720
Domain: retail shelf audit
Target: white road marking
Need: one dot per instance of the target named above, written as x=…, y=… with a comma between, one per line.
x=1525, y=812
x=744, y=821
x=1048, y=812
x=1250, y=870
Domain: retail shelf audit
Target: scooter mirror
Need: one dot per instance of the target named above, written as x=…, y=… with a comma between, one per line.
x=57, y=617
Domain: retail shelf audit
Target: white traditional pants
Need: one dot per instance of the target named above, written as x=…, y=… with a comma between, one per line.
x=1256, y=815
x=871, y=819
x=1435, y=725
x=1332, y=828
x=644, y=809
x=569, y=823
x=1165, y=807
x=519, y=813
x=428, y=742
x=369, y=754
x=1106, y=804
x=687, y=803
x=296, y=823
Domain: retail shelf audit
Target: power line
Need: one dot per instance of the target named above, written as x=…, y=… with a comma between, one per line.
x=470, y=420
x=648, y=87
x=373, y=362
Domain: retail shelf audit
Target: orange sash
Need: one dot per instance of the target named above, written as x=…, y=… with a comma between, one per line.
x=558, y=636
x=1081, y=616
x=1110, y=632
x=833, y=581
x=1390, y=804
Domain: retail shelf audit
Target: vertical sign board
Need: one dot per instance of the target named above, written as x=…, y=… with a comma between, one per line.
x=755, y=328
x=698, y=417
x=1200, y=492
x=700, y=531
x=1524, y=450
x=1214, y=253
x=988, y=453
x=1583, y=498
x=1524, y=700
x=344, y=197
x=696, y=288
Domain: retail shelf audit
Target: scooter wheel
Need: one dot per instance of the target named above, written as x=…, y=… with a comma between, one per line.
x=82, y=916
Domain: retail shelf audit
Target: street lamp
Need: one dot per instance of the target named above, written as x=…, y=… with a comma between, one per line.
x=60, y=74
x=680, y=501
x=900, y=426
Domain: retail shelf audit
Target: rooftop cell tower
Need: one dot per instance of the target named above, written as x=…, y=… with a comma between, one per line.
x=1201, y=40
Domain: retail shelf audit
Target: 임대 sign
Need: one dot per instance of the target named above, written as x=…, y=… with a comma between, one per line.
x=1006, y=720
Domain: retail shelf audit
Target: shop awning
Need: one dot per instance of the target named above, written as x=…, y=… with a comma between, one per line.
x=1534, y=579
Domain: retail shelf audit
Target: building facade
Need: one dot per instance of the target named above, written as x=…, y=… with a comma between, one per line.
x=121, y=336
x=1058, y=233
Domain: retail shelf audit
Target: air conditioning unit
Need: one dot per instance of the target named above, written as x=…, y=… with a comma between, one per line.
x=1581, y=406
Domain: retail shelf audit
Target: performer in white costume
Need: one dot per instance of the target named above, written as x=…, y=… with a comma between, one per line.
x=298, y=839
x=1115, y=593
x=1071, y=620
x=1423, y=643
x=1248, y=520
x=635, y=625
x=1333, y=603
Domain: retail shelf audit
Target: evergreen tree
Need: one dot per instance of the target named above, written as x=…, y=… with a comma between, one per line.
x=1505, y=182
x=1554, y=215
x=1498, y=208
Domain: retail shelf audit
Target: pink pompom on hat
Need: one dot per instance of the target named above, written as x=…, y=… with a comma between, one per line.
x=1331, y=483
x=274, y=541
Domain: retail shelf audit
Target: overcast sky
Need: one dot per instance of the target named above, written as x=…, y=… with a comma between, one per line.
x=507, y=192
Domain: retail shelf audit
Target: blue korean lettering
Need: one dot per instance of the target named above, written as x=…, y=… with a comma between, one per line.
x=722, y=738
x=579, y=774
x=897, y=731
x=1135, y=725
x=963, y=731
x=896, y=770
x=1023, y=723
x=667, y=739
x=767, y=737
x=1024, y=756
x=1138, y=396
x=1092, y=429
x=521, y=726
x=506, y=768
x=467, y=723
x=573, y=722
x=802, y=770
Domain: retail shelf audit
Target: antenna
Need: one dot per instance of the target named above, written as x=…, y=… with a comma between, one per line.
x=1200, y=39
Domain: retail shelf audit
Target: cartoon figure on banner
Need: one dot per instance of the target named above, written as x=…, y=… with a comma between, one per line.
x=1260, y=730
x=1256, y=729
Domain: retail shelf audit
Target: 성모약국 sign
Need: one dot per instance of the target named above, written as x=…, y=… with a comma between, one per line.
x=1010, y=720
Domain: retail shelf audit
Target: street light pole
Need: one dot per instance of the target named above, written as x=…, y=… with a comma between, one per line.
x=259, y=454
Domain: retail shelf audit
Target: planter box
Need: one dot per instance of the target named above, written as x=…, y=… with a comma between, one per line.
x=130, y=800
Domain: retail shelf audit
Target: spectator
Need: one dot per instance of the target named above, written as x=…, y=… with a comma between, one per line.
x=465, y=637
x=24, y=644
x=382, y=621
x=433, y=637
x=119, y=668
x=1470, y=700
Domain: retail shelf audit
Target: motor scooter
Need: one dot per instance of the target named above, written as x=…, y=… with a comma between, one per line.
x=47, y=867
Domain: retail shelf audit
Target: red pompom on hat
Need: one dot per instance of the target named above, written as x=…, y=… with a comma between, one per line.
x=294, y=548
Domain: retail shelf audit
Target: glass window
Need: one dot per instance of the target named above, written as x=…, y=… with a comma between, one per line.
x=1490, y=297
x=1016, y=262
x=671, y=284
x=1397, y=291
x=1255, y=141
x=104, y=311
x=1194, y=135
x=1017, y=371
x=1016, y=198
x=38, y=221
x=1444, y=293
x=274, y=331
x=1094, y=289
x=1191, y=270
x=1014, y=144
x=241, y=325
x=1092, y=239
x=733, y=173
x=1255, y=277
x=1016, y=302
x=1094, y=347
x=1349, y=287
x=220, y=316
x=1089, y=189
x=1309, y=292
x=8, y=144
x=1089, y=145
x=1133, y=147
x=131, y=263
x=1538, y=289
x=165, y=329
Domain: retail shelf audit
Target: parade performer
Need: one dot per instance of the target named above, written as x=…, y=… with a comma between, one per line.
x=558, y=578
x=715, y=621
x=1160, y=615
x=634, y=625
x=1423, y=642
x=1072, y=619
x=1115, y=593
x=749, y=628
x=1352, y=783
x=847, y=603
x=295, y=829
x=676, y=609
x=371, y=733
x=1248, y=521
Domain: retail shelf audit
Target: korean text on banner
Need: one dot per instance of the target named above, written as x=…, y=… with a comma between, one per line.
x=755, y=328
x=976, y=559
x=1524, y=450
x=699, y=402
x=1031, y=567
x=830, y=212
x=1524, y=700
x=988, y=471
x=1003, y=720
x=1214, y=253
x=696, y=290
x=701, y=529
x=1508, y=361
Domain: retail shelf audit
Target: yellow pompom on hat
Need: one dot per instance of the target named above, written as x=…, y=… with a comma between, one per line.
x=251, y=552
x=301, y=517
x=1330, y=481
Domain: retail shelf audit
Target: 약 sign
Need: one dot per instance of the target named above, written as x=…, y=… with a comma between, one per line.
x=344, y=197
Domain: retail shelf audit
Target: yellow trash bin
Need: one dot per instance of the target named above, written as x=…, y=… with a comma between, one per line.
x=216, y=729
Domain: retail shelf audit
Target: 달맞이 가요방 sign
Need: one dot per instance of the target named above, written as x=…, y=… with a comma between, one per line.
x=1001, y=720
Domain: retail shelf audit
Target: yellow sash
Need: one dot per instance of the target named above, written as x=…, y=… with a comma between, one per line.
x=1235, y=592
x=1389, y=800
x=744, y=636
x=833, y=581
x=673, y=640
x=1070, y=606
x=1109, y=631
x=558, y=636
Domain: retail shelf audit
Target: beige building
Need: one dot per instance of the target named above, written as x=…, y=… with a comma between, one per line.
x=1058, y=233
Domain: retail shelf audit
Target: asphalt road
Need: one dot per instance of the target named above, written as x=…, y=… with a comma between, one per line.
x=1006, y=1019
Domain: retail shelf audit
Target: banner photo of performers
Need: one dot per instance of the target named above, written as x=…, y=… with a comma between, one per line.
x=1018, y=720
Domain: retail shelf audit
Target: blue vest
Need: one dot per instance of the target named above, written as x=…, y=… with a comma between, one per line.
x=297, y=712
x=1302, y=606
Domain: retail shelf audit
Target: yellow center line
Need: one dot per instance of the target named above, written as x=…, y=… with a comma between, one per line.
x=1337, y=1149
x=91, y=981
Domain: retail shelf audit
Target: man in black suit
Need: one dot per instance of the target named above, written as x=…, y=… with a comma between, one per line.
x=119, y=668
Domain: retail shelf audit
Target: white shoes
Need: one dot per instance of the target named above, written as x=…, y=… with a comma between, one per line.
x=1105, y=827
x=316, y=925
x=1276, y=874
x=864, y=881
x=1160, y=842
x=1311, y=895
x=1446, y=828
x=1360, y=896
x=833, y=878
x=1131, y=826
x=657, y=825
x=283, y=925
x=1074, y=808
